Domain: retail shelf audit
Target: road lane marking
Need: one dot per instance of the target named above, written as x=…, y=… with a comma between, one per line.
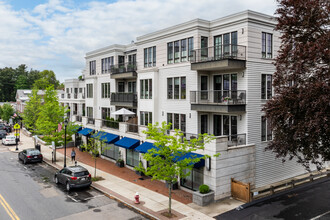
x=319, y=216
x=8, y=209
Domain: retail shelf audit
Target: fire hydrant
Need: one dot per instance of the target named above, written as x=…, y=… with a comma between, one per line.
x=137, y=198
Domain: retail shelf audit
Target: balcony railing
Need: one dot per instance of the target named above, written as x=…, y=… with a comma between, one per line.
x=236, y=140
x=133, y=128
x=218, y=97
x=75, y=96
x=221, y=52
x=189, y=137
x=110, y=124
x=90, y=121
x=129, y=98
x=123, y=68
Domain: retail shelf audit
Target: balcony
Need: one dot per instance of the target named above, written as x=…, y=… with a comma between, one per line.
x=90, y=121
x=223, y=57
x=236, y=140
x=224, y=101
x=124, y=99
x=110, y=124
x=123, y=71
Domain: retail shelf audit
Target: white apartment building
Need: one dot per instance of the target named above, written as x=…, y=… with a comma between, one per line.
x=203, y=77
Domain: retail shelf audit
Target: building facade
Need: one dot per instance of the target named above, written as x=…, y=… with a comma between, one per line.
x=202, y=76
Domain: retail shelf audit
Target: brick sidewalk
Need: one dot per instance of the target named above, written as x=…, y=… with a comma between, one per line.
x=128, y=175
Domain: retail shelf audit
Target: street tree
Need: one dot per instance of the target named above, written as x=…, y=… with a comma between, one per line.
x=46, y=78
x=7, y=112
x=164, y=160
x=95, y=146
x=299, y=112
x=31, y=111
x=51, y=114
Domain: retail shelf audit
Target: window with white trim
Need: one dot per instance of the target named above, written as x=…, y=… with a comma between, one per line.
x=145, y=118
x=105, y=90
x=150, y=56
x=92, y=67
x=176, y=88
x=89, y=90
x=177, y=51
x=267, y=45
x=106, y=64
x=266, y=131
x=266, y=86
x=90, y=112
x=178, y=121
x=146, y=88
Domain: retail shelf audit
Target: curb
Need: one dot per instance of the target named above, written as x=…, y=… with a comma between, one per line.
x=247, y=205
x=140, y=211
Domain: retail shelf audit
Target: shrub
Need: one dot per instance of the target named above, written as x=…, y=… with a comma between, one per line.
x=204, y=189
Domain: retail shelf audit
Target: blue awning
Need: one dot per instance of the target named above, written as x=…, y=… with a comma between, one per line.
x=79, y=129
x=128, y=143
x=106, y=137
x=191, y=155
x=143, y=148
x=85, y=131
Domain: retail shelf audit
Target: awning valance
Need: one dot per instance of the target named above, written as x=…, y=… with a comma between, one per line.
x=128, y=143
x=191, y=155
x=106, y=137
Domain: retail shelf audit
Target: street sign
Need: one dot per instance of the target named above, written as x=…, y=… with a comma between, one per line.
x=16, y=126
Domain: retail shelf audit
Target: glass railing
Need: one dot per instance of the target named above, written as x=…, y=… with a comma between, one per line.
x=123, y=68
x=236, y=140
x=231, y=97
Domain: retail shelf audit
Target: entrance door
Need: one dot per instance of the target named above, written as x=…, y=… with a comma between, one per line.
x=217, y=87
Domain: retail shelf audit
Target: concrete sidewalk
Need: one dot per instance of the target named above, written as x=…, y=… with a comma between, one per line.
x=152, y=203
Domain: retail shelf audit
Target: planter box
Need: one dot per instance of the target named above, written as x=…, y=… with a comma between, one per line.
x=203, y=199
x=120, y=163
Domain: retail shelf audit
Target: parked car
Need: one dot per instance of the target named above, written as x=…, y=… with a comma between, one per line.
x=73, y=177
x=9, y=140
x=30, y=155
x=3, y=134
x=8, y=128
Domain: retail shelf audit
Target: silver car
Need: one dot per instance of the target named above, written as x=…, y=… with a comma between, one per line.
x=73, y=177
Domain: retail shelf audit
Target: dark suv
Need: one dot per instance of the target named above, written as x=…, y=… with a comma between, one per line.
x=73, y=177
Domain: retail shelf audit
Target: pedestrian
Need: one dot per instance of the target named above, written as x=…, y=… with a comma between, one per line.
x=73, y=155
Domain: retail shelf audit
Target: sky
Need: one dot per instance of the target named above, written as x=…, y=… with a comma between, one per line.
x=57, y=34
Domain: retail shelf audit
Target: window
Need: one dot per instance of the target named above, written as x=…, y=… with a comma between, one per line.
x=90, y=112
x=150, y=56
x=111, y=151
x=121, y=87
x=204, y=124
x=105, y=113
x=80, y=90
x=146, y=88
x=145, y=118
x=267, y=45
x=92, y=67
x=89, y=90
x=177, y=50
x=67, y=90
x=106, y=64
x=132, y=87
x=178, y=121
x=266, y=131
x=132, y=158
x=105, y=87
x=194, y=180
x=204, y=45
x=266, y=86
x=225, y=45
x=179, y=88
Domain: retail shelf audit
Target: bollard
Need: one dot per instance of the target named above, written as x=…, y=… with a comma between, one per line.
x=137, y=198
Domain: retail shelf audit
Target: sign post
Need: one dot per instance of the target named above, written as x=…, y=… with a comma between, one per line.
x=16, y=127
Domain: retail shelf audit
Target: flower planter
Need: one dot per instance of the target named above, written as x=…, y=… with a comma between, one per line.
x=120, y=163
x=203, y=199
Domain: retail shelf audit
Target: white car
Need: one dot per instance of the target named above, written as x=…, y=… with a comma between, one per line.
x=9, y=140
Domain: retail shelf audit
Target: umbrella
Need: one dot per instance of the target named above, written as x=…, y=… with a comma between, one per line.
x=123, y=111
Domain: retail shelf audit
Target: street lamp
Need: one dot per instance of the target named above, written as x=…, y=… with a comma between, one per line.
x=65, y=124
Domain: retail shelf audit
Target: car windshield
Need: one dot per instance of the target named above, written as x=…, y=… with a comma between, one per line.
x=83, y=173
x=33, y=152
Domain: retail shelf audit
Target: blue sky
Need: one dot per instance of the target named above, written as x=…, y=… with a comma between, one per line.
x=56, y=34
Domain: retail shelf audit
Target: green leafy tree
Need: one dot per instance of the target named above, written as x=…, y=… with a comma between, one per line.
x=46, y=78
x=164, y=163
x=7, y=112
x=95, y=146
x=0, y=111
x=51, y=114
x=31, y=111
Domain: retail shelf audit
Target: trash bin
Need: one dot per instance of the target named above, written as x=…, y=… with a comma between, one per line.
x=38, y=147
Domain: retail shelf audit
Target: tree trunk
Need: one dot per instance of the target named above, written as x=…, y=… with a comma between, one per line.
x=95, y=168
x=170, y=198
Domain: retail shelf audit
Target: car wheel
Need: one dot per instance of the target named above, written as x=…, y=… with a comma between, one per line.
x=24, y=161
x=56, y=180
x=68, y=188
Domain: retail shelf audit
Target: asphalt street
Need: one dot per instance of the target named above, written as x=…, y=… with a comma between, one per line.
x=28, y=192
x=309, y=201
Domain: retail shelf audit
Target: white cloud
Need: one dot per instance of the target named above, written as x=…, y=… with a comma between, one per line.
x=56, y=35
